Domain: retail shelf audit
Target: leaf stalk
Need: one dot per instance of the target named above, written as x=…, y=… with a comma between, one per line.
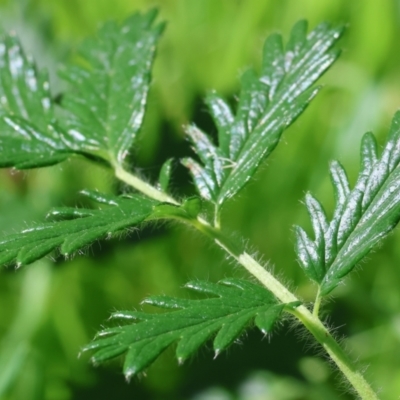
x=142, y=186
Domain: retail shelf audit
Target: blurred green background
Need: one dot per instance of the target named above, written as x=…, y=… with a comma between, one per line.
x=51, y=309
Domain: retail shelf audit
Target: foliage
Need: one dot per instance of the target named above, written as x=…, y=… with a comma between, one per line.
x=267, y=105
x=74, y=228
x=100, y=116
x=103, y=111
x=363, y=216
x=237, y=303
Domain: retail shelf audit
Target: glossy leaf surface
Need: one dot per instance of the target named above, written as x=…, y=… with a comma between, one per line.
x=29, y=134
x=75, y=228
x=107, y=104
x=268, y=104
x=224, y=317
x=104, y=110
x=362, y=217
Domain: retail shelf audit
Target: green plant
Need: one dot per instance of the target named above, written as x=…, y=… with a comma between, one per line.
x=99, y=119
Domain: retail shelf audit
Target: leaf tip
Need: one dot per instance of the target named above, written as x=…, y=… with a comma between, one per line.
x=129, y=373
x=94, y=361
x=339, y=30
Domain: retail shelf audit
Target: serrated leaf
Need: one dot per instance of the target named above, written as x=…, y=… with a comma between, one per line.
x=225, y=316
x=310, y=259
x=71, y=229
x=268, y=104
x=77, y=230
x=103, y=113
x=29, y=134
x=363, y=215
x=319, y=221
x=369, y=152
x=167, y=302
x=265, y=321
x=107, y=105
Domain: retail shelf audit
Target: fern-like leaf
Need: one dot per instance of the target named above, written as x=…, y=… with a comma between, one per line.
x=75, y=228
x=362, y=217
x=71, y=229
x=267, y=105
x=224, y=317
x=102, y=114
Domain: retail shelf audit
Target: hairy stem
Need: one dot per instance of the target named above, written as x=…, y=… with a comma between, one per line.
x=336, y=353
x=309, y=320
x=142, y=186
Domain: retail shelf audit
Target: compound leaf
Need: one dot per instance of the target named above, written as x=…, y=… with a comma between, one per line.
x=363, y=215
x=234, y=305
x=267, y=105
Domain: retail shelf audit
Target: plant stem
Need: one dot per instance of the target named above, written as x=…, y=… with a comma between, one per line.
x=317, y=303
x=217, y=221
x=336, y=353
x=142, y=186
x=309, y=320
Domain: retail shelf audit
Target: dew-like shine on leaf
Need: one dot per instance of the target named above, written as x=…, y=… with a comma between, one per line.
x=224, y=317
x=363, y=215
x=29, y=134
x=268, y=104
x=102, y=113
x=107, y=103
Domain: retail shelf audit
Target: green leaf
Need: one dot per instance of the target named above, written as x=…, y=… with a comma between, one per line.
x=267, y=105
x=73, y=229
x=107, y=104
x=192, y=206
x=29, y=134
x=165, y=175
x=187, y=211
x=103, y=113
x=236, y=303
x=363, y=215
